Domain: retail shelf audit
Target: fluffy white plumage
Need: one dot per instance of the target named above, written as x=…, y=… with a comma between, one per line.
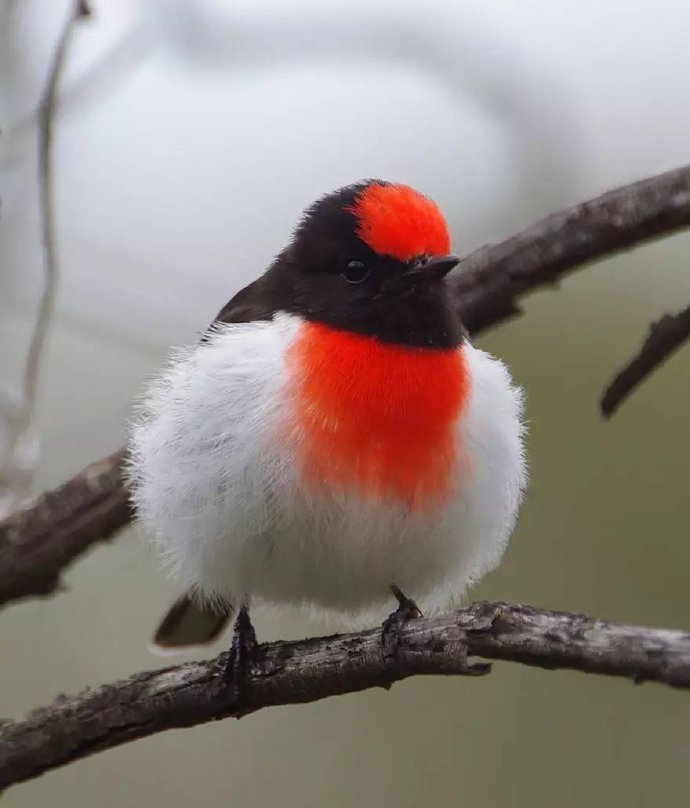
x=221, y=495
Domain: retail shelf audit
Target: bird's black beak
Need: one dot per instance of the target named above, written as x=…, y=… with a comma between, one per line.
x=434, y=268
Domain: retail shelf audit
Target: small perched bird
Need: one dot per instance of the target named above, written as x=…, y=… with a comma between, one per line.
x=335, y=436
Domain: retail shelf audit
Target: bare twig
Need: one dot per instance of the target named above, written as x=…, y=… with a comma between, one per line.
x=46, y=121
x=488, y=287
x=17, y=470
x=665, y=336
x=298, y=672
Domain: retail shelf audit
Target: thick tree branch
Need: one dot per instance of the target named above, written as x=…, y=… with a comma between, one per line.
x=37, y=542
x=493, y=279
x=665, y=336
x=298, y=672
x=488, y=287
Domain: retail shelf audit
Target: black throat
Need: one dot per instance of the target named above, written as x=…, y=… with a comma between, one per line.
x=419, y=316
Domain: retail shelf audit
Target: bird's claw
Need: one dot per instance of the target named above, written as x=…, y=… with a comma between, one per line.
x=244, y=653
x=392, y=635
x=476, y=668
x=392, y=629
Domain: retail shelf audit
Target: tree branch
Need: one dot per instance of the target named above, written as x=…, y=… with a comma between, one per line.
x=46, y=120
x=37, y=542
x=298, y=672
x=493, y=279
x=665, y=336
x=487, y=289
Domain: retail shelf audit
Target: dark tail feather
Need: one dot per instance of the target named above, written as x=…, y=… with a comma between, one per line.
x=188, y=623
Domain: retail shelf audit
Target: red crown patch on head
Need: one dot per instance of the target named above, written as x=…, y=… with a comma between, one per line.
x=396, y=220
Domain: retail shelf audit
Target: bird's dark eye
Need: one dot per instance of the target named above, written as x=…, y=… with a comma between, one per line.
x=355, y=272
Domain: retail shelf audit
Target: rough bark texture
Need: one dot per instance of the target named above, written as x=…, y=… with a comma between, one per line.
x=492, y=279
x=487, y=288
x=297, y=672
x=37, y=542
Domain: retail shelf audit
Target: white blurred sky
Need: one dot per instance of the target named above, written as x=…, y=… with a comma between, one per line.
x=183, y=160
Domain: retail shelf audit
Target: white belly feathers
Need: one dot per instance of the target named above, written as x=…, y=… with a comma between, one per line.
x=216, y=484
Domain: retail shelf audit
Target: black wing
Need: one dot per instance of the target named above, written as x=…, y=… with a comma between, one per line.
x=254, y=302
x=188, y=622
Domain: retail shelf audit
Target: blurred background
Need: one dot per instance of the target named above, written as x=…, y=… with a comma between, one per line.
x=191, y=134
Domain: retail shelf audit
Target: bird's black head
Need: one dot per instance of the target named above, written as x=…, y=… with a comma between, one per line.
x=371, y=258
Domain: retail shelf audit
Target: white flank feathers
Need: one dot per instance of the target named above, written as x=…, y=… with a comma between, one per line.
x=217, y=487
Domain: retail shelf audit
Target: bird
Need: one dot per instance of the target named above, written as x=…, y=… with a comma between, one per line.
x=334, y=438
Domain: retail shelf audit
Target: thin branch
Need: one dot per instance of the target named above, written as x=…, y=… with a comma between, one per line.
x=75, y=727
x=46, y=121
x=665, y=337
x=487, y=288
x=22, y=449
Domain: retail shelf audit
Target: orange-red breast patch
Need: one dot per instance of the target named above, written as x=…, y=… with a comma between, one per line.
x=377, y=418
x=396, y=220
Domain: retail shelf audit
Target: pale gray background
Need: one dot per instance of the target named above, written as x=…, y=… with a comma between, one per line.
x=192, y=135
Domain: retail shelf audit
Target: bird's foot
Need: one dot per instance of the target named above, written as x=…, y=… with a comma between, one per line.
x=244, y=654
x=392, y=635
x=475, y=669
x=392, y=630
